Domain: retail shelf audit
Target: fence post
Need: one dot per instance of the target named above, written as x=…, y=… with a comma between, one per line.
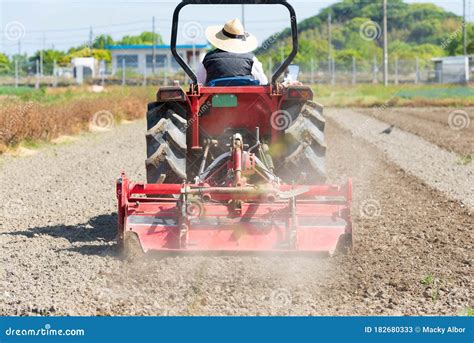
x=41, y=63
x=55, y=75
x=396, y=70
x=417, y=71
x=16, y=73
x=375, y=71
x=37, y=81
x=329, y=69
x=282, y=53
x=312, y=71
x=354, y=71
x=270, y=67
x=167, y=63
x=123, y=72
x=103, y=66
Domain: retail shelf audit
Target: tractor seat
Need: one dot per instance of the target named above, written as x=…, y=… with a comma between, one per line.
x=233, y=81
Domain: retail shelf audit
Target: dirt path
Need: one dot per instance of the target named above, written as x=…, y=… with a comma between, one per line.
x=58, y=251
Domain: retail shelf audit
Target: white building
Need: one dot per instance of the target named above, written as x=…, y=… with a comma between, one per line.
x=84, y=68
x=140, y=57
x=452, y=69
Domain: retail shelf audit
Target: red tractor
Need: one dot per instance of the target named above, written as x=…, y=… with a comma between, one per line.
x=234, y=166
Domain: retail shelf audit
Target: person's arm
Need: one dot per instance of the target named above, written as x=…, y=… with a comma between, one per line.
x=201, y=74
x=258, y=73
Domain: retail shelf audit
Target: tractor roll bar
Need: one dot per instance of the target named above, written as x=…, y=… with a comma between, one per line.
x=294, y=31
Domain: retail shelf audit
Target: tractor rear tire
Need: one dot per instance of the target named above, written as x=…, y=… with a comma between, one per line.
x=303, y=146
x=166, y=143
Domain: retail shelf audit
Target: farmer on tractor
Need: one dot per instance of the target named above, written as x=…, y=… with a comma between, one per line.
x=232, y=61
x=235, y=163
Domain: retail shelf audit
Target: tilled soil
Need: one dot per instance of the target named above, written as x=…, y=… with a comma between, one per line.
x=58, y=256
x=440, y=169
x=449, y=128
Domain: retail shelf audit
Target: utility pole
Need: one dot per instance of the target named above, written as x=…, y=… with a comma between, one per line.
x=330, y=69
x=91, y=37
x=464, y=34
x=385, y=44
x=16, y=73
x=17, y=62
x=243, y=15
x=329, y=34
x=37, y=81
x=375, y=71
x=42, y=56
x=153, y=57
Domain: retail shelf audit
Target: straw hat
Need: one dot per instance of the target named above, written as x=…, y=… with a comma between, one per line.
x=232, y=37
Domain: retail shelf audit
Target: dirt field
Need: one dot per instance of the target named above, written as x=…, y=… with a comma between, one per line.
x=413, y=253
x=449, y=128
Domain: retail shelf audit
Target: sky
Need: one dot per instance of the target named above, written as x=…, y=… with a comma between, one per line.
x=61, y=24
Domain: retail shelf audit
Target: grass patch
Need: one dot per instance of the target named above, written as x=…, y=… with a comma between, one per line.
x=20, y=91
x=32, y=144
x=374, y=95
x=464, y=160
x=432, y=93
x=428, y=280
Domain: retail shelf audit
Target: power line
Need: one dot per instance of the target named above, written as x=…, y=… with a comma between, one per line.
x=163, y=20
x=86, y=27
x=73, y=37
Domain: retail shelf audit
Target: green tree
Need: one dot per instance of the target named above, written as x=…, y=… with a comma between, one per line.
x=102, y=41
x=423, y=28
x=24, y=65
x=98, y=54
x=145, y=38
x=4, y=64
x=49, y=56
x=454, y=45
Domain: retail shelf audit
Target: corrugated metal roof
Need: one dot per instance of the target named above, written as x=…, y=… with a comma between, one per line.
x=450, y=58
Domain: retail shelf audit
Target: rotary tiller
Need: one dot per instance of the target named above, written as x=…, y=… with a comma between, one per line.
x=233, y=167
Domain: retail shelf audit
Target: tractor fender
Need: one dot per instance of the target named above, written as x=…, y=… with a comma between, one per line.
x=170, y=94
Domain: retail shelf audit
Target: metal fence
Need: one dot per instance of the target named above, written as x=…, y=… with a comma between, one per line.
x=35, y=74
x=353, y=71
x=369, y=71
